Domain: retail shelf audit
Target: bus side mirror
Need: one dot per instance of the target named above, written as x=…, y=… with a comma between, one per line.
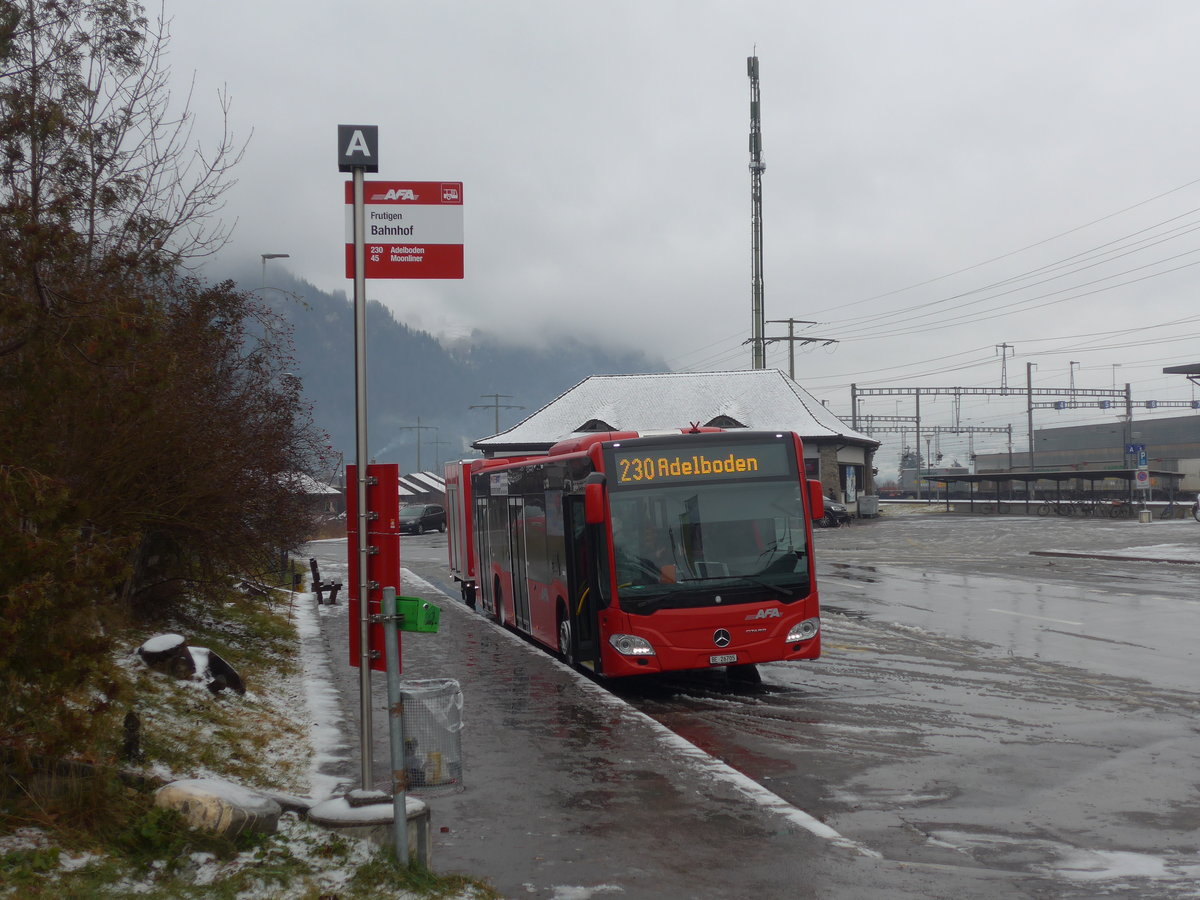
x=816, y=499
x=593, y=504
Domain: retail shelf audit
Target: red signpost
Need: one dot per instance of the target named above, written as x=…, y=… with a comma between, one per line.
x=383, y=556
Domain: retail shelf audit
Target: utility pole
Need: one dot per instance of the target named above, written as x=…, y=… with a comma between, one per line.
x=1004, y=348
x=419, y=428
x=437, y=454
x=496, y=405
x=792, y=339
x=1029, y=396
x=917, y=443
x=757, y=167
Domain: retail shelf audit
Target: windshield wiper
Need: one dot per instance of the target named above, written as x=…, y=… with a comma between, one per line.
x=760, y=582
x=768, y=585
x=751, y=578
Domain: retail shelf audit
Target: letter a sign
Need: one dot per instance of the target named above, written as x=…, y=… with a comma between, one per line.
x=358, y=148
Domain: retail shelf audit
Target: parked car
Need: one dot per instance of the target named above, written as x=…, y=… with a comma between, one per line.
x=418, y=518
x=835, y=514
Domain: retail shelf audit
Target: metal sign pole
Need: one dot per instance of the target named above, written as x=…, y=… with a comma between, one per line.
x=361, y=458
x=358, y=152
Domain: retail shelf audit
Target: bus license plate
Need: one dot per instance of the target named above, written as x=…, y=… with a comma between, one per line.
x=723, y=659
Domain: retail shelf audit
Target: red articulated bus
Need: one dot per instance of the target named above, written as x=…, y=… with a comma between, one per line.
x=630, y=554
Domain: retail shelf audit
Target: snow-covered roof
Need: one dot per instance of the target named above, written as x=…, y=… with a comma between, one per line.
x=421, y=484
x=760, y=399
x=309, y=485
x=430, y=480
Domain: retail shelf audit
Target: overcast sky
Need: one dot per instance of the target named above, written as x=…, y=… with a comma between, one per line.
x=942, y=177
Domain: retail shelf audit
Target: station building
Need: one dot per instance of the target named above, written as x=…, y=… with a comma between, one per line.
x=760, y=399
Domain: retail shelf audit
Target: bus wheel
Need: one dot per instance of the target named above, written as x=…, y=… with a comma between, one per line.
x=564, y=637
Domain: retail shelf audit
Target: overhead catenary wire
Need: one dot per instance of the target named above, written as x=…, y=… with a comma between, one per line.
x=1017, y=251
x=1090, y=255
x=1002, y=297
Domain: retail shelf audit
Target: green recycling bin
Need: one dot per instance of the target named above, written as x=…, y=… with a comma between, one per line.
x=419, y=615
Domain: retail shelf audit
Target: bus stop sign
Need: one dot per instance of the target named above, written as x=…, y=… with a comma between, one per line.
x=358, y=148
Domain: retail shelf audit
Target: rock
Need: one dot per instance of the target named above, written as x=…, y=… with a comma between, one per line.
x=169, y=653
x=220, y=806
x=223, y=675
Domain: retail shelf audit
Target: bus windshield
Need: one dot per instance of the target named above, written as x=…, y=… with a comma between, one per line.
x=687, y=545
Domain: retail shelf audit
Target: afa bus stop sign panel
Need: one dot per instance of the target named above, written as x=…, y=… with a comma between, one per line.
x=413, y=229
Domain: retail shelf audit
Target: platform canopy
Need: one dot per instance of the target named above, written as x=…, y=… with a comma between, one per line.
x=1191, y=370
x=1058, y=476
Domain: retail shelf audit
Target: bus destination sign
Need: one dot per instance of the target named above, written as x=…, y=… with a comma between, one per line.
x=412, y=229
x=644, y=466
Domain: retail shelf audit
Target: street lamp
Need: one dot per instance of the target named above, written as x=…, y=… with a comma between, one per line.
x=265, y=257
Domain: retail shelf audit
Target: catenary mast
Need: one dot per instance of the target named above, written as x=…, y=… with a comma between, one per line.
x=757, y=167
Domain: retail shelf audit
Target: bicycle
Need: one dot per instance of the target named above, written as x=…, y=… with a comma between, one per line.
x=1058, y=507
x=1120, y=509
x=1172, y=510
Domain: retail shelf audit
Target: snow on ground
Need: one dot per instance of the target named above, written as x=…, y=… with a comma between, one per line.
x=307, y=695
x=326, y=723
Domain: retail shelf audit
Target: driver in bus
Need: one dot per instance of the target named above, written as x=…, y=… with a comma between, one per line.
x=642, y=557
x=658, y=550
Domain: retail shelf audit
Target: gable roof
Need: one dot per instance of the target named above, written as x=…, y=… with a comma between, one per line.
x=763, y=399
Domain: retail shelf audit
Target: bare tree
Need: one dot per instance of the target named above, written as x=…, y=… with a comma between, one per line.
x=97, y=160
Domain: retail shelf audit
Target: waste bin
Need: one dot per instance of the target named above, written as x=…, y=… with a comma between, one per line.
x=1145, y=516
x=433, y=735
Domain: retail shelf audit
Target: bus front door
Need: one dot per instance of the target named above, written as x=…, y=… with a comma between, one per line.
x=583, y=604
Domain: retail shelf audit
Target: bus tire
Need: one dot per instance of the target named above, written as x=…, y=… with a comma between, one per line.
x=565, y=636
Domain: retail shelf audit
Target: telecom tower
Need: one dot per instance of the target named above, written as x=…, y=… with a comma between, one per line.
x=757, y=167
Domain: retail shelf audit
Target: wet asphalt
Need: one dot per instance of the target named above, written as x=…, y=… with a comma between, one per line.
x=574, y=791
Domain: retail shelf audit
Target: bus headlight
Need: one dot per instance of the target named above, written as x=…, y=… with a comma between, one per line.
x=631, y=645
x=804, y=631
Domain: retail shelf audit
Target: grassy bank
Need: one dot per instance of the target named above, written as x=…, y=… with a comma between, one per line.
x=89, y=828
